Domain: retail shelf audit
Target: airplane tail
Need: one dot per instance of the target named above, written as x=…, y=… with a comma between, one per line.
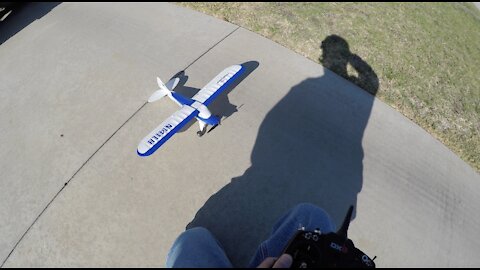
x=164, y=89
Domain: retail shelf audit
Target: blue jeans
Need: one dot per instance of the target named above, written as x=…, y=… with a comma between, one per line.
x=198, y=248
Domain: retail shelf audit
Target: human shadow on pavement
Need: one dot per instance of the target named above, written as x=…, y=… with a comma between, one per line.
x=22, y=15
x=308, y=149
x=221, y=106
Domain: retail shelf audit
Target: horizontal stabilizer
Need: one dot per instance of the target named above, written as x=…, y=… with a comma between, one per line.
x=164, y=89
x=172, y=83
x=157, y=95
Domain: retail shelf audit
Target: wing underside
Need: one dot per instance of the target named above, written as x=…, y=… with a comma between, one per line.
x=218, y=84
x=165, y=130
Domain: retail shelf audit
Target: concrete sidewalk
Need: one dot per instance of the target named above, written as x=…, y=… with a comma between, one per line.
x=73, y=92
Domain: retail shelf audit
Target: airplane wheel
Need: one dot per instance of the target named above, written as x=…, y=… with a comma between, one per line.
x=199, y=134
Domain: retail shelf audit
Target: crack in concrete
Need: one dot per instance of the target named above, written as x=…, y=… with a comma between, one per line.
x=98, y=149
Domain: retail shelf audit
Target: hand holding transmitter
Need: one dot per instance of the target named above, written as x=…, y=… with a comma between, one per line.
x=314, y=249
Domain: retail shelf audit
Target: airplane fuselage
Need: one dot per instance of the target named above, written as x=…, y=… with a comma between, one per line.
x=195, y=107
x=204, y=114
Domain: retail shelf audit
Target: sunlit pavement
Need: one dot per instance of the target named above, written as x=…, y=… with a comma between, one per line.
x=74, y=81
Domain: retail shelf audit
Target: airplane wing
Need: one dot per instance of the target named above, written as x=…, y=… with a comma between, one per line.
x=216, y=86
x=165, y=130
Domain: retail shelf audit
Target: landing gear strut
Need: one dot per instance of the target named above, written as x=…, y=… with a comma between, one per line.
x=203, y=127
x=200, y=133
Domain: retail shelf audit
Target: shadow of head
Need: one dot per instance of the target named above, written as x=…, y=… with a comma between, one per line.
x=308, y=149
x=336, y=56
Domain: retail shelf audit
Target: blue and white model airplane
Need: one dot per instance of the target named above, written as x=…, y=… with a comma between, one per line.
x=190, y=108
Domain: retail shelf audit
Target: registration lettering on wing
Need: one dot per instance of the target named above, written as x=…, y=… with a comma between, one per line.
x=157, y=136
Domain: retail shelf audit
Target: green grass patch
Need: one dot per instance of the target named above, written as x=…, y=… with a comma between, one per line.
x=426, y=55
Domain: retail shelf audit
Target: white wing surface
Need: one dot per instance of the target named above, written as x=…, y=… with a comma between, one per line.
x=216, y=86
x=165, y=130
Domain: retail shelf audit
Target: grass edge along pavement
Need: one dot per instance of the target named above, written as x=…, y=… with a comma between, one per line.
x=426, y=55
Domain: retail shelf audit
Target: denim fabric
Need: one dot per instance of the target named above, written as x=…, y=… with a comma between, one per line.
x=198, y=248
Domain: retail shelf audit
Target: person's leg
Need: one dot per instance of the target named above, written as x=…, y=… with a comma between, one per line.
x=197, y=248
x=303, y=215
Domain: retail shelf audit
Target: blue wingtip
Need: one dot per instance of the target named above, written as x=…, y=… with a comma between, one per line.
x=142, y=155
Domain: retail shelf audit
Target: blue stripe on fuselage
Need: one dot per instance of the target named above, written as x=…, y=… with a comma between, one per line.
x=182, y=100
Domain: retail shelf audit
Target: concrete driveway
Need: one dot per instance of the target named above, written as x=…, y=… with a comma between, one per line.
x=75, y=78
